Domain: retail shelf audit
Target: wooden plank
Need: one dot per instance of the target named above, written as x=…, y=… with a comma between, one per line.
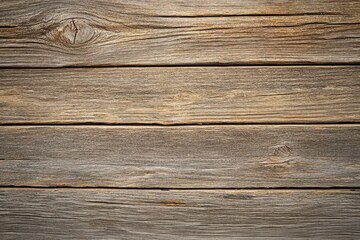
x=181, y=157
x=117, y=32
x=181, y=95
x=212, y=214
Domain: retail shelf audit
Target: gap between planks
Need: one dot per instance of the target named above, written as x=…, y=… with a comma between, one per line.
x=205, y=65
x=155, y=124
x=334, y=188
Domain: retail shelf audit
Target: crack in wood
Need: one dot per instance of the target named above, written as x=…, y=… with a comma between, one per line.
x=76, y=31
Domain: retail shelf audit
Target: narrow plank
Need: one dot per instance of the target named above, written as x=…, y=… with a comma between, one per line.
x=216, y=214
x=181, y=157
x=117, y=32
x=181, y=95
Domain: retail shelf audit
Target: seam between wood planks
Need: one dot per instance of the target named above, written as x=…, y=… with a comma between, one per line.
x=172, y=124
x=183, y=189
x=264, y=64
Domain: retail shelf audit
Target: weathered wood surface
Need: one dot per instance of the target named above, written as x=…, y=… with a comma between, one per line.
x=181, y=95
x=51, y=33
x=181, y=157
x=55, y=180
x=211, y=214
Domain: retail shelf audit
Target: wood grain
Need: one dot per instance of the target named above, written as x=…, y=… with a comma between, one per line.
x=82, y=152
x=181, y=95
x=212, y=214
x=47, y=33
x=181, y=157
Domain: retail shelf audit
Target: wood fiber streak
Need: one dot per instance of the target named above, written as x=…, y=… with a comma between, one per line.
x=181, y=157
x=48, y=33
x=212, y=214
x=181, y=95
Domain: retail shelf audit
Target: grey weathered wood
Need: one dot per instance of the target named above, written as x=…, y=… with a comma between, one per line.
x=42, y=33
x=181, y=95
x=181, y=157
x=211, y=214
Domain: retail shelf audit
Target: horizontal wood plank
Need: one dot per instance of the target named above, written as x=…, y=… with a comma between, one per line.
x=212, y=214
x=181, y=157
x=181, y=95
x=51, y=33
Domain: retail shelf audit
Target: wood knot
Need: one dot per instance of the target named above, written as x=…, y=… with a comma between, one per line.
x=282, y=151
x=73, y=32
x=282, y=157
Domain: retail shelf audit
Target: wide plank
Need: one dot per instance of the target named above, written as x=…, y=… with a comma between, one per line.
x=230, y=156
x=181, y=95
x=51, y=33
x=149, y=214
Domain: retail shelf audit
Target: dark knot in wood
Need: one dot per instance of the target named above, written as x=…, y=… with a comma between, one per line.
x=73, y=32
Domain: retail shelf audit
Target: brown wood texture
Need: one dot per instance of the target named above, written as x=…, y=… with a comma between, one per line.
x=181, y=95
x=211, y=214
x=111, y=145
x=47, y=33
x=181, y=157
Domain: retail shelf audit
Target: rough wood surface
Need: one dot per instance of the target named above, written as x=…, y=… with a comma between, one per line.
x=82, y=155
x=181, y=95
x=181, y=157
x=52, y=33
x=212, y=214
